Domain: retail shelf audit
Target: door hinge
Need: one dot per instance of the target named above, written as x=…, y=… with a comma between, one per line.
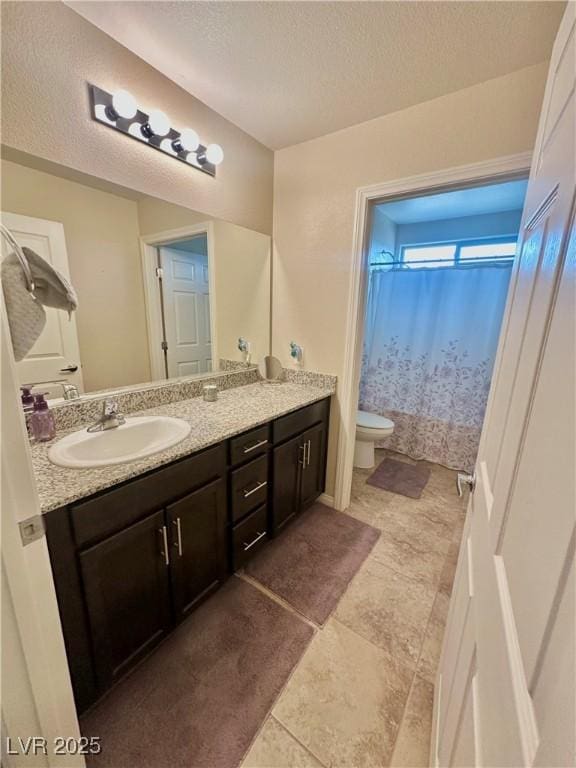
x=159, y=273
x=164, y=345
x=31, y=529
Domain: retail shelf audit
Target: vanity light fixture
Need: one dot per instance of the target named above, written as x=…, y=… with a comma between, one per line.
x=120, y=111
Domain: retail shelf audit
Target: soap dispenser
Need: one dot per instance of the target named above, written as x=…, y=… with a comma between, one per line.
x=42, y=420
x=27, y=399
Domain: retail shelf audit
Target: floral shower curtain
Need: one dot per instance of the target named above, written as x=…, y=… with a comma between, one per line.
x=430, y=341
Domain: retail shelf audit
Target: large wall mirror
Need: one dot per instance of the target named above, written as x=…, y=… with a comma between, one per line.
x=163, y=291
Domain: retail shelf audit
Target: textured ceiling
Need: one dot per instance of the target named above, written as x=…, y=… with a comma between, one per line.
x=286, y=72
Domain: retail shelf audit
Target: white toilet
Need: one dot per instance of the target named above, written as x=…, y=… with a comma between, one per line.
x=369, y=428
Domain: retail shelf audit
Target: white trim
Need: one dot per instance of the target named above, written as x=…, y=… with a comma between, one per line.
x=325, y=499
x=37, y=695
x=489, y=170
x=148, y=246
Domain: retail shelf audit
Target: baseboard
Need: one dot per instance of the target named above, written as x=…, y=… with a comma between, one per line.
x=328, y=501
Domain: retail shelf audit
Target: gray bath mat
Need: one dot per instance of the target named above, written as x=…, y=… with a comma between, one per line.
x=399, y=477
x=200, y=698
x=313, y=561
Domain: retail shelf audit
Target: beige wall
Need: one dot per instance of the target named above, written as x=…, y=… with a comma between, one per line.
x=242, y=290
x=101, y=233
x=50, y=53
x=155, y=216
x=314, y=198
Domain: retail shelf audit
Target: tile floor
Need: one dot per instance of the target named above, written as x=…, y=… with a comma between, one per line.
x=362, y=693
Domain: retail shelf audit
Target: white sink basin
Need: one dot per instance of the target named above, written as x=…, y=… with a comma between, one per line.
x=139, y=437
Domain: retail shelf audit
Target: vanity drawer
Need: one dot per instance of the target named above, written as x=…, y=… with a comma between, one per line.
x=294, y=423
x=249, y=445
x=249, y=486
x=249, y=536
x=113, y=510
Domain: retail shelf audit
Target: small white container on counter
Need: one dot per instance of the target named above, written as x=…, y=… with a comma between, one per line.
x=210, y=392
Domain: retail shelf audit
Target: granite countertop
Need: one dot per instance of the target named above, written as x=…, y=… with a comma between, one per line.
x=235, y=411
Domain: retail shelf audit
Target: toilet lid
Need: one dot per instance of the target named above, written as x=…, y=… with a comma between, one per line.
x=373, y=421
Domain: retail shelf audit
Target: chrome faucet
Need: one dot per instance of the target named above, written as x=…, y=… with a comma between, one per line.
x=69, y=391
x=110, y=418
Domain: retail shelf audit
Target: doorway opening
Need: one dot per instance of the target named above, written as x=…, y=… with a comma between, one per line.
x=439, y=268
x=180, y=302
x=404, y=341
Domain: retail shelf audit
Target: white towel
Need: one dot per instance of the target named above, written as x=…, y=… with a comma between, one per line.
x=26, y=315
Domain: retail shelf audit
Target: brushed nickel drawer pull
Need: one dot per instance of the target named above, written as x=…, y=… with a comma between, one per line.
x=309, y=444
x=164, y=552
x=256, y=445
x=256, y=540
x=257, y=488
x=302, y=460
x=178, y=542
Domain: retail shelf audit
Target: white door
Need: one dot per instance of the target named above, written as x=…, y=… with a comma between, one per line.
x=186, y=304
x=55, y=356
x=506, y=684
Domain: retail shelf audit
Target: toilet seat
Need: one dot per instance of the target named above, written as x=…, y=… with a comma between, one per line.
x=373, y=421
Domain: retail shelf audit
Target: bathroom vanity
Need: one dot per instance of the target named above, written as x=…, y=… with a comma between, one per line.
x=132, y=561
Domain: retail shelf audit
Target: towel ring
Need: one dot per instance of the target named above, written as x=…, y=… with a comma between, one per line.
x=9, y=237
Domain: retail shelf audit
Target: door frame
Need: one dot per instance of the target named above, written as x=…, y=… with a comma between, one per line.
x=498, y=169
x=149, y=259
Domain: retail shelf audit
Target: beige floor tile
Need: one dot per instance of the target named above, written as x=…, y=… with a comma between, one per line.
x=437, y=513
x=449, y=569
x=389, y=610
x=421, y=556
x=412, y=749
x=432, y=645
x=274, y=747
x=344, y=701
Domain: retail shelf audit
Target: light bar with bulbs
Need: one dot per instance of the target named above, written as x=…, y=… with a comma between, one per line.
x=119, y=110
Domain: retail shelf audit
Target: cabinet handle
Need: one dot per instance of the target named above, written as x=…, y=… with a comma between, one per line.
x=309, y=444
x=178, y=542
x=302, y=460
x=256, y=488
x=256, y=540
x=256, y=445
x=164, y=552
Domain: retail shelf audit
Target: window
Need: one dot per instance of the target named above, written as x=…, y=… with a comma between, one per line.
x=429, y=256
x=484, y=251
x=461, y=252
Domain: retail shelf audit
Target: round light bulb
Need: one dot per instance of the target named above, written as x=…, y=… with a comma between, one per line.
x=189, y=140
x=214, y=154
x=124, y=104
x=159, y=123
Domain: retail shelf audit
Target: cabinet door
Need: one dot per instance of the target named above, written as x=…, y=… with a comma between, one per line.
x=313, y=472
x=126, y=585
x=287, y=466
x=198, y=559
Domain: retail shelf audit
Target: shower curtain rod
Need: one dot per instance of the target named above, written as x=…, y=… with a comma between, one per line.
x=396, y=264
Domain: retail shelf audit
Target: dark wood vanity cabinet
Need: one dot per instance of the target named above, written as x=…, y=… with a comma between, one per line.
x=127, y=596
x=299, y=463
x=196, y=537
x=131, y=562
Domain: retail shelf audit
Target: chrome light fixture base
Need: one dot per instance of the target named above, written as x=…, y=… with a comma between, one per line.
x=138, y=128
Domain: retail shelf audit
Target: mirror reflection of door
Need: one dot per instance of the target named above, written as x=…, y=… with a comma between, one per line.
x=55, y=357
x=186, y=306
